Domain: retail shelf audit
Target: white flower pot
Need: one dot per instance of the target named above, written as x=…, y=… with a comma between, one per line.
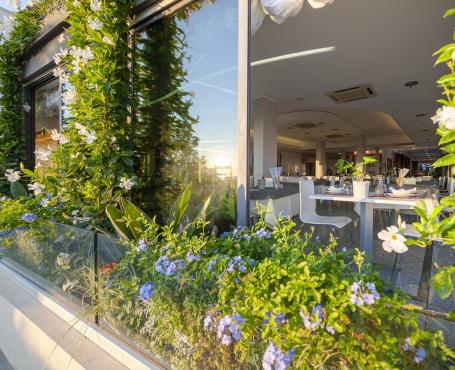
x=361, y=189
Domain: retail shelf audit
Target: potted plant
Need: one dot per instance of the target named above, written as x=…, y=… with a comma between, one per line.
x=360, y=187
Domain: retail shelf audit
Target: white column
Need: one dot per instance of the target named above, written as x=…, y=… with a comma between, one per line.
x=378, y=163
x=362, y=147
x=265, y=137
x=320, y=159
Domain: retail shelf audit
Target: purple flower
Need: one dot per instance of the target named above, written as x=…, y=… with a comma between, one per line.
x=275, y=359
x=226, y=339
x=208, y=322
x=225, y=235
x=190, y=257
x=281, y=318
x=212, y=264
x=146, y=291
x=263, y=234
x=363, y=294
x=330, y=329
x=49, y=196
x=407, y=346
x=28, y=217
x=420, y=355
x=161, y=265
x=142, y=246
x=238, y=318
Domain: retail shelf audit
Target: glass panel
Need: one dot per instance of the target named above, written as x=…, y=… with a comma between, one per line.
x=186, y=104
x=47, y=118
x=57, y=257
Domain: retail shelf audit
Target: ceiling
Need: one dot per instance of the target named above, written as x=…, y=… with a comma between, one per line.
x=385, y=43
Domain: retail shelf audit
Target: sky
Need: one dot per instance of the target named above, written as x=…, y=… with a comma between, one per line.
x=6, y=4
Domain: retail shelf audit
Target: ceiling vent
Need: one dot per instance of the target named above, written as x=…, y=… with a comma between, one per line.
x=359, y=92
x=333, y=136
x=306, y=125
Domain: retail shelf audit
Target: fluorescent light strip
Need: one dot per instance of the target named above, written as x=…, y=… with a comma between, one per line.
x=293, y=56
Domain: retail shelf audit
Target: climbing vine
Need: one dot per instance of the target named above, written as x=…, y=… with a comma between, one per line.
x=17, y=33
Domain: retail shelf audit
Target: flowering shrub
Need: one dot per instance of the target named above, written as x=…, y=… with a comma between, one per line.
x=266, y=299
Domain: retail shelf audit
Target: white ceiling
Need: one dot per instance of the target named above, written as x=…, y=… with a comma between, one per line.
x=383, y=42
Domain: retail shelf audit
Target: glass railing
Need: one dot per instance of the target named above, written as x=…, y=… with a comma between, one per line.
x=75, y=266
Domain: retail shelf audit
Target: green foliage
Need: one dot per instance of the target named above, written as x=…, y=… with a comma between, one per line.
x=357, y=169
x=270, y=278
x=13, y=48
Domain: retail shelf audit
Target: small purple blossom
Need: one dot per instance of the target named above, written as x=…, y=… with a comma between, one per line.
x=275, y=359
x=142, y=246
x=330, y=329
x=209, y=322
x=146, y=291
x=28, y=217
x=228, y=329
x=161, y=265
x=190, y=257
x=212, y=264
x=420, y=355
x=225, y=235
x=263, y=234
x=363, y=294
x=407, y=346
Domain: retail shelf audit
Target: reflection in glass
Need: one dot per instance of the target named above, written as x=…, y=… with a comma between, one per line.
x=186, y=104
x=47, y=118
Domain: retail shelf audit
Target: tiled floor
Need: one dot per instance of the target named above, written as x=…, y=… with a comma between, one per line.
x=408, y=266
x=4, y=364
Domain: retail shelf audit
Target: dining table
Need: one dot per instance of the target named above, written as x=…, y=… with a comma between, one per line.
x=367, y=205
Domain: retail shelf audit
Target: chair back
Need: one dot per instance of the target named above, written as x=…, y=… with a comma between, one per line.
x=307, y=205
x=341, y=183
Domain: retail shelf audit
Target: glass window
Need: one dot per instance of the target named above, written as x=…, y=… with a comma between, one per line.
x=47, y=118
x=186, y=104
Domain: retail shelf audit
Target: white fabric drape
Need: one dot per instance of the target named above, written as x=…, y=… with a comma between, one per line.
x=257, y=15
x=319, y=3
x=280, y=10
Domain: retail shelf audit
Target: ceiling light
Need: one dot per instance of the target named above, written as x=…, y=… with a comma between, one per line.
x=293, y=56
x=300, y=98
x=420, y=115
x=411, y=84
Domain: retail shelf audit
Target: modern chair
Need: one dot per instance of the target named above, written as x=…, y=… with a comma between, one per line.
x=308, y=213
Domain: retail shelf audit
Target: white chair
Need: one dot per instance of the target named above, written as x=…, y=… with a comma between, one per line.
x=308, y=213
x=410, y=181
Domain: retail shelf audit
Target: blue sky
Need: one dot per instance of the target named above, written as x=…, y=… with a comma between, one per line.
x=6, y=5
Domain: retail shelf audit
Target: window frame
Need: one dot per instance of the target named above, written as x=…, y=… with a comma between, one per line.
x=159, y=9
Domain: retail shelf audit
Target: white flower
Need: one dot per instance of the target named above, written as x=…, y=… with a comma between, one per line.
x=43, y=154
x=57, y=136
x=445, y=117
x=96, y=5
x=108, y=41
x=60, y=74
x=60, y=55
x=90, y=137
x=393, y=241
x=12, y=176
x=4, y=198
x=95, y=24
x=27, y=107
x=61, y=38
x=126, y=184
x=69, y=96
x=45, y=202
x=36, y=187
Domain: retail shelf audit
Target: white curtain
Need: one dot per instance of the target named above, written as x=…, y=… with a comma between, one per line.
x=257, y=15
x=319, y=3
x=280, y=10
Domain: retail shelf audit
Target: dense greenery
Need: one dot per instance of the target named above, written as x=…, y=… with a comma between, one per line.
x=202, y=301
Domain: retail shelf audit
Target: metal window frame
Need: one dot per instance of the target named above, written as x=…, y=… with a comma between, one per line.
x=149, y=13
x=42, y=78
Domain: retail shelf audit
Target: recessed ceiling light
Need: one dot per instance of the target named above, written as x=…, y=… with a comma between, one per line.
x=411, y=84
x=425, y=130
x=420, y=115
x=300, y=98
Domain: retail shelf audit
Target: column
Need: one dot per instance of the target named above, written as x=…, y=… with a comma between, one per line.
x=320, y=159
x=378, y=163
x=362, y=147
x=265, y=138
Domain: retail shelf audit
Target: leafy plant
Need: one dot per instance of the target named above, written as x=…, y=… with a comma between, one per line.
x=357, y=169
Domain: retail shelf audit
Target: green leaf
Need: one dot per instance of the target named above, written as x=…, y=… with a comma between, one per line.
x=449, y=12
x=179, y=208
x=447, y=160
x=115, y=216
x=17, y=190
x=443, y=283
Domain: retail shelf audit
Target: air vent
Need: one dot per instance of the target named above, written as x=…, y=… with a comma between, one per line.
x=359, y=92
x=306, y=125
x=333, y=136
